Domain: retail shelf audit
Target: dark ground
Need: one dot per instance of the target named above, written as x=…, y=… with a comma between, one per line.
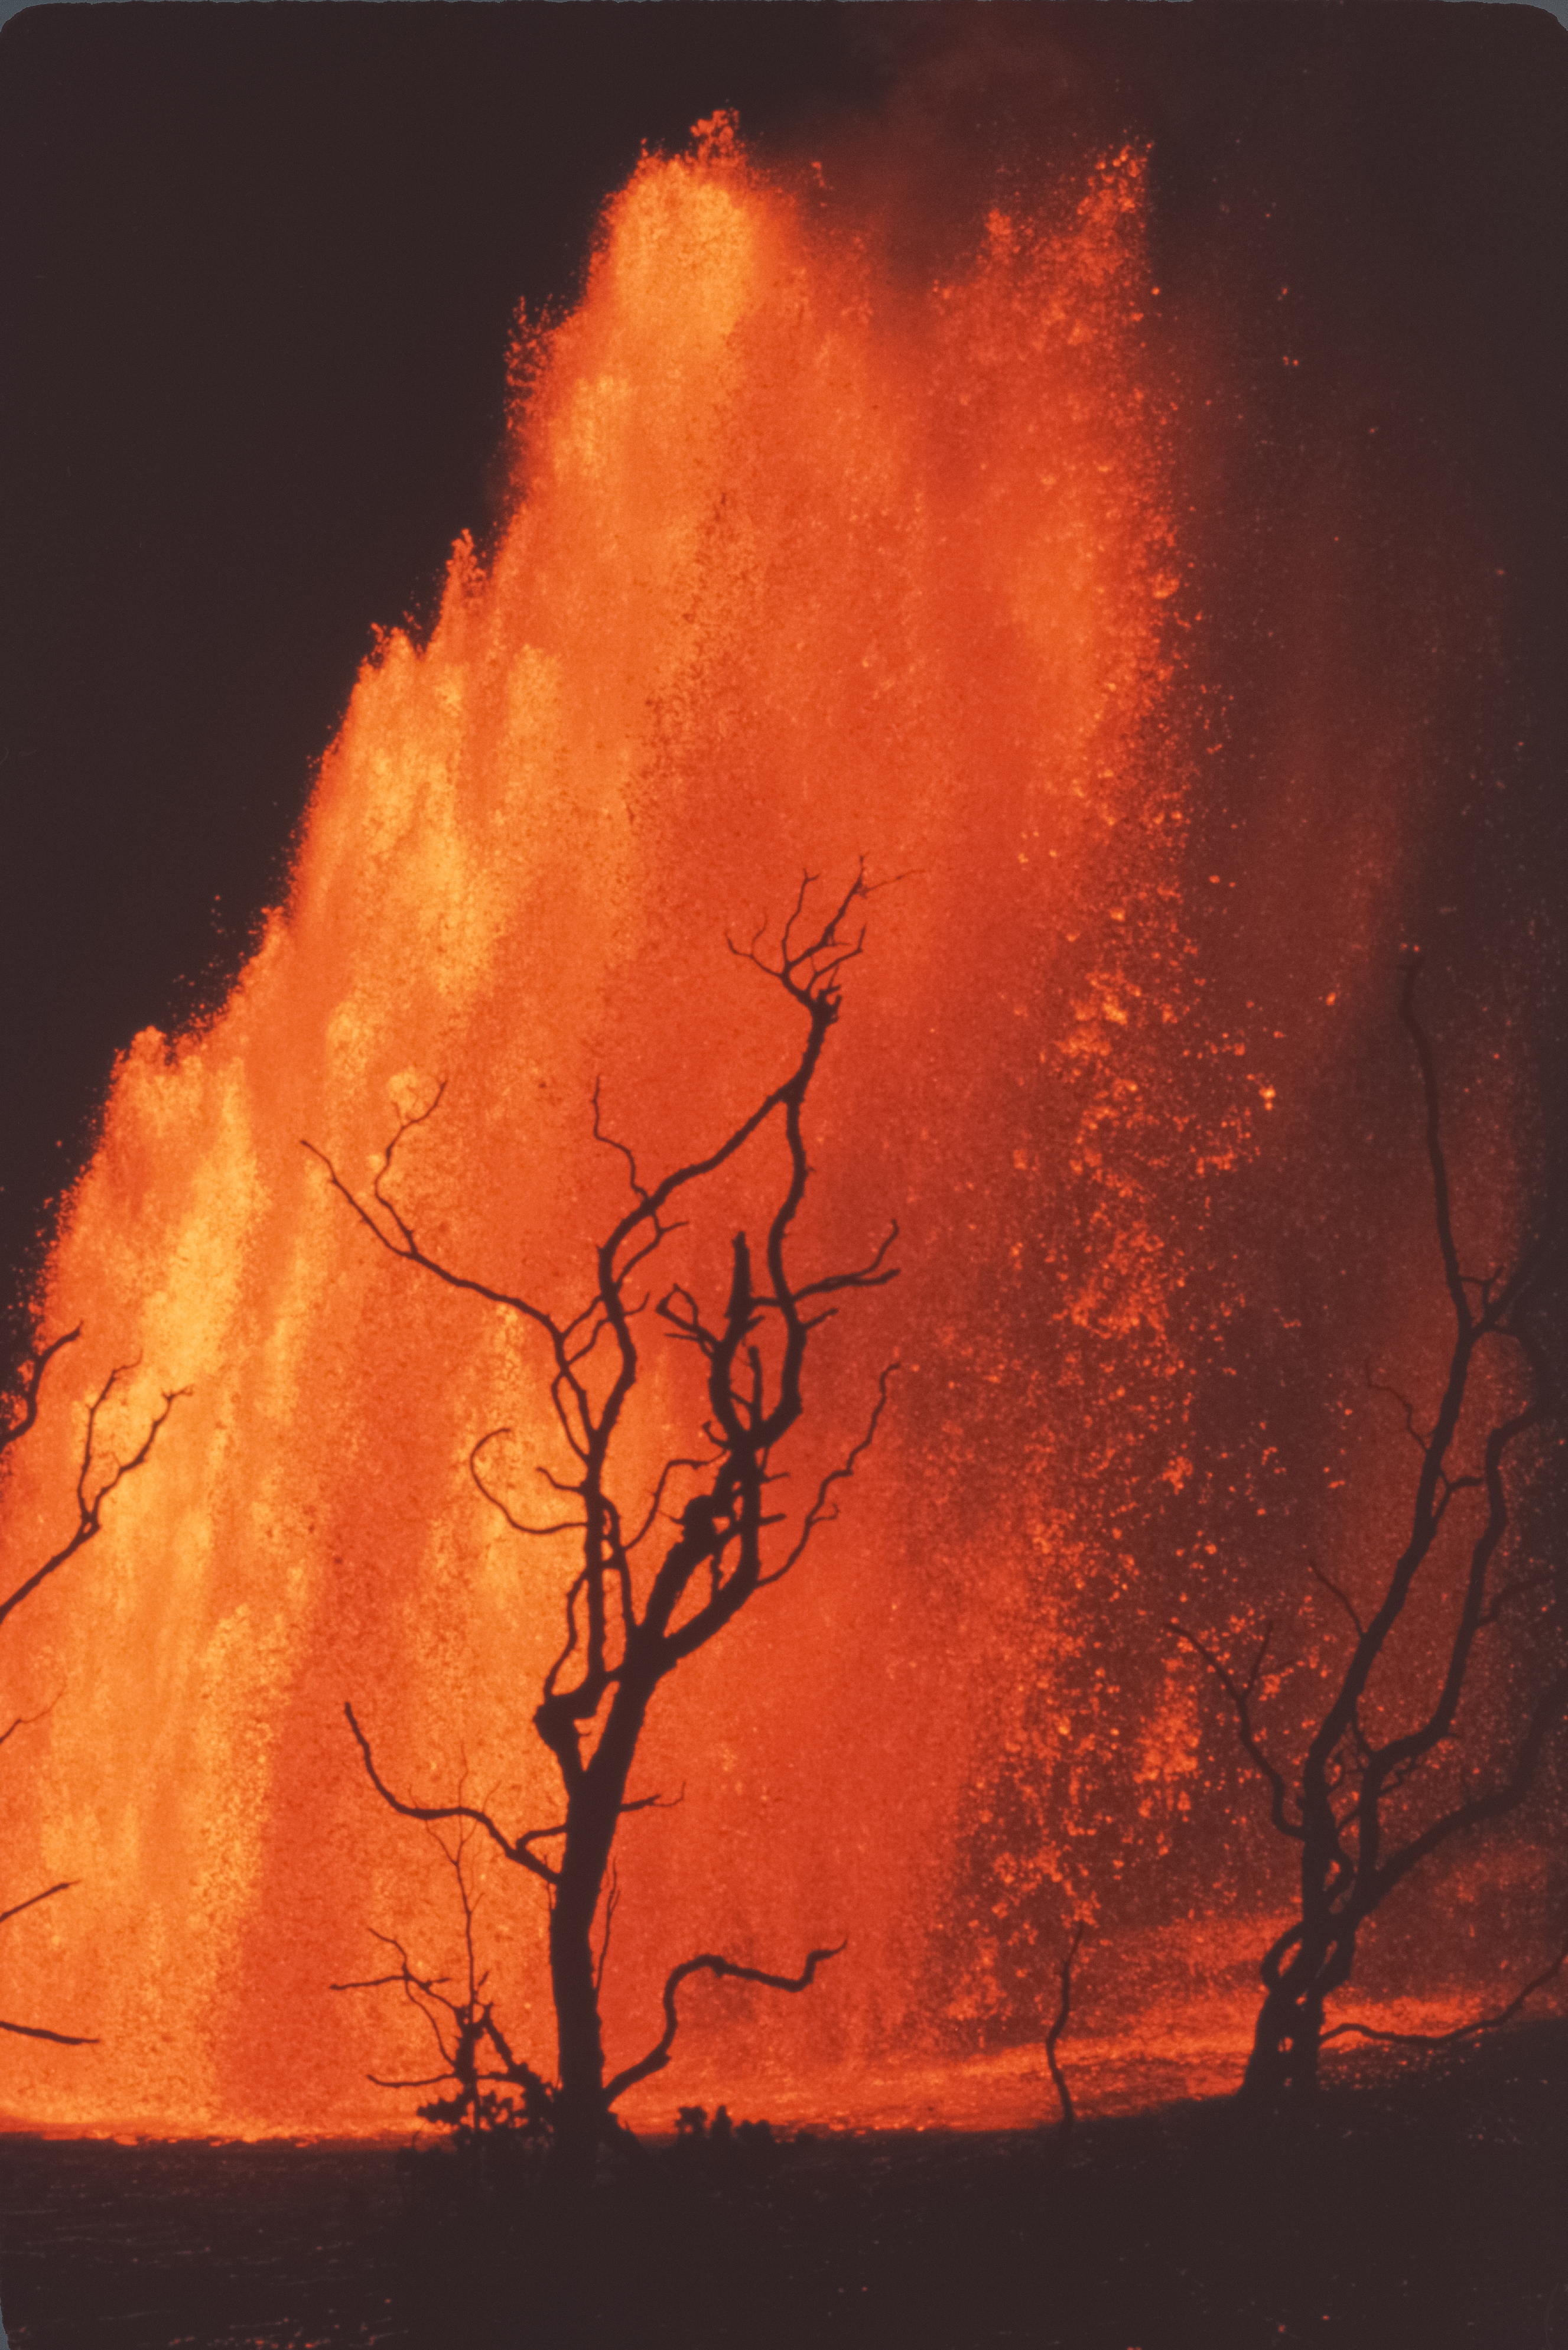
x=1424, y=2206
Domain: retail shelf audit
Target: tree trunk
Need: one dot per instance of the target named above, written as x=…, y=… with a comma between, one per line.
x=593, y=1815
x=580, y=2061
x=1282, y=2070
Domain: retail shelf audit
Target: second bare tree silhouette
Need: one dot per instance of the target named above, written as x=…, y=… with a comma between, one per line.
x=1352, y=1800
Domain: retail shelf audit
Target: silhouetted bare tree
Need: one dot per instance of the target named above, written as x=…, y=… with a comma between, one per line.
x=1058, y=2023
x=628, y=1628
x=95, y=1483
x=1337, y=1800
x=492, y=2090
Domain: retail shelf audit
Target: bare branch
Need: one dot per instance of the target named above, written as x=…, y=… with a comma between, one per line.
x=866, y=1276
x=612, y=1902
x=33, y=1899
x=30, y=1374
x=655, y=1802
x=1330, y=1586
x=1547, y=1715
x=1460, y=2031
x=405, y=1245
x=90, y=1499
x=561, y=1525
x=1382, y=1387
x=92, y=1491
x=1418, y=1037
x=1547, y=1577
x=611, y=1143
x=516, y=1848
x=681, y=1460
x=62, y=2039
x=708, y=1962
x=822, y=1511
x=1239, y=1694
x=1058, y=2023
x=25, y=1721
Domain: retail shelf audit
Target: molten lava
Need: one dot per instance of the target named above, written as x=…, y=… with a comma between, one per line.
x=806, y=561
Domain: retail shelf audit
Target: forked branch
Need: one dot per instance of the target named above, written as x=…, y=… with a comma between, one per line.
x=1241, y=1696
x=92, y=1490
x=516, y=1849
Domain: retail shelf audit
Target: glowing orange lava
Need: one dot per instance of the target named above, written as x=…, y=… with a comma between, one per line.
x=807, y=561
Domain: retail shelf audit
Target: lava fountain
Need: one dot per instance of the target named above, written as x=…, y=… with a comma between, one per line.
x=806, y=561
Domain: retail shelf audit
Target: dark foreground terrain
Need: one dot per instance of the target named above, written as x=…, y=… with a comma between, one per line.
x=1423, y=2207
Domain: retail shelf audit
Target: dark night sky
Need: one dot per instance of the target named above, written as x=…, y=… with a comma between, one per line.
x=256, y=273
